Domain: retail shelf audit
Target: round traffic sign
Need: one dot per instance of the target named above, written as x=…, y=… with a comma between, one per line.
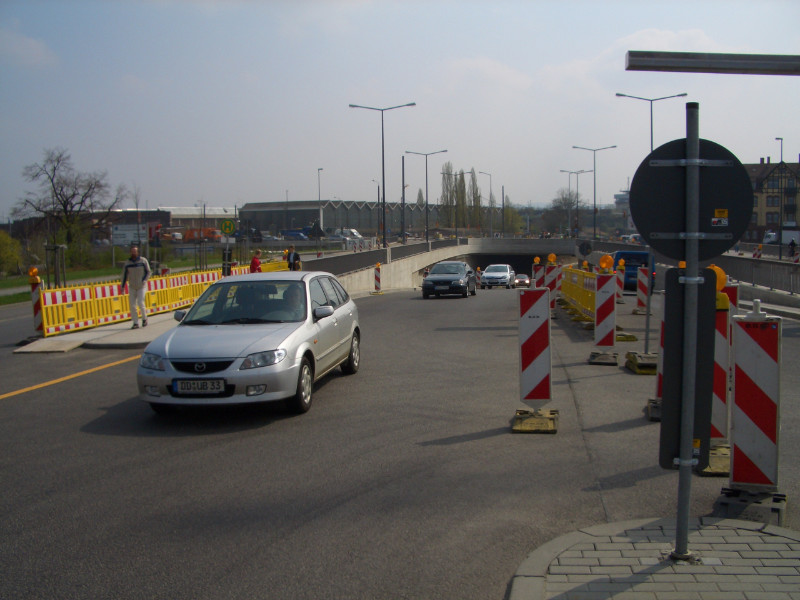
x=658, y=199
x=228, y=227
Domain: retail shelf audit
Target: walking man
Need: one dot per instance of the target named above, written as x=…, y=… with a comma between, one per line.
x=293, y=258
x=136, y=272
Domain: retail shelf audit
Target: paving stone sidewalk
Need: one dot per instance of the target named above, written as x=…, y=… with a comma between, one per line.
x=732, y=559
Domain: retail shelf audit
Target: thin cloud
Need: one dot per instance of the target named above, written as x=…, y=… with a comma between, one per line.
x=19, y=50
x=491, y=70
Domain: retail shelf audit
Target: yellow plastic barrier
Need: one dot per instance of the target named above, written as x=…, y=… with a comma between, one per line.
x=578, y=287
x=81, y=307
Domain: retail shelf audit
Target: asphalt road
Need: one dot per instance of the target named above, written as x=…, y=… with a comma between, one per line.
x=403, y=481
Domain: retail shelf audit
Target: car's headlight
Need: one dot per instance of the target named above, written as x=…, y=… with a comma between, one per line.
x=263, y=359
x=151, y=361
x=461, y=282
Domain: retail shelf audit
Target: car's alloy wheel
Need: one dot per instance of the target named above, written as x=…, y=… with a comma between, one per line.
x=350, y=367
x=301, y=401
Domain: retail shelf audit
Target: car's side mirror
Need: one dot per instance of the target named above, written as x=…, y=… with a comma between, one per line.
x=179, y=314
x=323, y=311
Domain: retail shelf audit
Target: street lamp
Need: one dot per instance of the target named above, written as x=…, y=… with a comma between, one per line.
x=383, y=156
x=780, y=213
x=491, y=212
x=651, y=100
x=426, y=155
x=594, y=152
x=319, y=199
x=577, y=197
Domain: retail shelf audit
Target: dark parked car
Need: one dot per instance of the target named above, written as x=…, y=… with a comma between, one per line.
x=450, y=277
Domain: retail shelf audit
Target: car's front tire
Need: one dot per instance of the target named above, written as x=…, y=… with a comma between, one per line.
x=301, y=401
x=350, y=366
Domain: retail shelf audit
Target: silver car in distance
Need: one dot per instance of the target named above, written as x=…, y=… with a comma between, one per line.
x=259, y=337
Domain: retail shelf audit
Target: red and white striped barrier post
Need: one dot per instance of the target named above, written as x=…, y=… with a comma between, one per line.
x=534, y=347
x=620, y=282
x=755, y=415
x=719, y=396
x=642, y=290
x=550, y=280
x=796, y=258
x=757, y=251
x=653, y=408
x=537, y=277
x=377, y=278
x=36, y=299
x=605, y=313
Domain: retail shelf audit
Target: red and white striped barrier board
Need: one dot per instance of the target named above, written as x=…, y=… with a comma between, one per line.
x=719, y=396
x=755, y=414
x=558, y=278
x=642, y=289
x=378, y=278
x=537, y=276
x=605, y=313
x=756, y=252
x=534, y=346
x=796, y=258
x=660, y=367
x=732, y=292
x=36, y=300
x=550, y=280
x=620, y=284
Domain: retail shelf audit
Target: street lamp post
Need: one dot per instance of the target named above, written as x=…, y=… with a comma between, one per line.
x=651, y=100
x=577, y=196
x=780, y=211
x=594, y=152
x=383, y=157
x=491, y=212
x=426, y=155
x=651, y=259
x=319, y=199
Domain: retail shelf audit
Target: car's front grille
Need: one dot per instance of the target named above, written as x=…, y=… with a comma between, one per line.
x=201, y=367
x=230, y=389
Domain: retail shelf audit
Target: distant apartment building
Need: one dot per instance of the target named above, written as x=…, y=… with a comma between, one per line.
x=774, y=198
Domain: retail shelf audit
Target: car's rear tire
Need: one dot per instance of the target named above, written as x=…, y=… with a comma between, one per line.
x=301, y=401
x=350, y=366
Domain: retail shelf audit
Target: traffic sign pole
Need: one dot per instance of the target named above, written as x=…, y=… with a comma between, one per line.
x=691, y=281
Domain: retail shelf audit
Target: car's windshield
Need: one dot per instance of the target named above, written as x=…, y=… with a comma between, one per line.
x=496, y=269
x=249, y=302
x=447, y=269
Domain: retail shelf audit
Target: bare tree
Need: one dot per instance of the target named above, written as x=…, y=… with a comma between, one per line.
x=68, y=201
x=475, y=201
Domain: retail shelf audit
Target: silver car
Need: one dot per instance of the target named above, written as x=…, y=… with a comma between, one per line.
x=259, y=337
x=498, y=275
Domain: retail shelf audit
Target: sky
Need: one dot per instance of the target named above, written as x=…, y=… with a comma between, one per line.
x=225, y=103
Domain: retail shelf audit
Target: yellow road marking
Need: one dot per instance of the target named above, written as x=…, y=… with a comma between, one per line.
x=67, y=378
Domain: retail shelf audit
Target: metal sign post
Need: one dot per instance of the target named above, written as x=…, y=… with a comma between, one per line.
x=690, y=329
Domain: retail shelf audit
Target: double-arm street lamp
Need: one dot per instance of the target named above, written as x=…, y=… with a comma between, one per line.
x=426, y=155
x=651, y=100
x=594, y=152
x=577, y=197
x=383, y=157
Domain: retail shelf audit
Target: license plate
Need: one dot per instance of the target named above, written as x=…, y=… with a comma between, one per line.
x=442, y=287
x=198, y=386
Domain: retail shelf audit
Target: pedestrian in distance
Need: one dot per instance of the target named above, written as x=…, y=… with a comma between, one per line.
x=135, y=273
x=792, y=247
x=293, y=258
x=255, y=264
